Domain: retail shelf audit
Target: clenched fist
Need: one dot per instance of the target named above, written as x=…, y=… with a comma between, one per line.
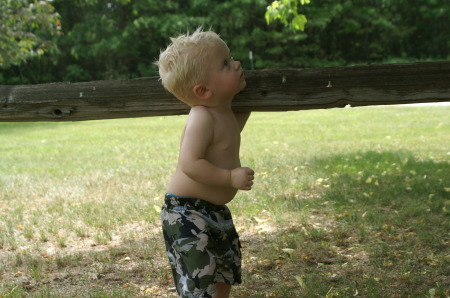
x=242, y=178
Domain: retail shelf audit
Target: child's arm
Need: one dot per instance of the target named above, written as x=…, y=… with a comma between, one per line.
x=198, y=136
x=242, y=118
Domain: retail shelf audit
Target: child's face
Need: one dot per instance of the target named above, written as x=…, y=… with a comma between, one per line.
x=226, y=75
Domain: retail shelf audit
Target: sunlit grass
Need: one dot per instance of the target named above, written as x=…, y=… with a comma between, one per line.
x=345, y=202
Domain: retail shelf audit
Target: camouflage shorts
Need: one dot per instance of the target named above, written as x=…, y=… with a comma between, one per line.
x=202, y=245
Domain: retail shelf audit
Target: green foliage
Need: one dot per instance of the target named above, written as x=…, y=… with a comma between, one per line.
x=120, y=39
x=26, y=30
x=287, y=12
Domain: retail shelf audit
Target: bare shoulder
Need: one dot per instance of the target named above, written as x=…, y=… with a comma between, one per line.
x=198, y=131
x=200, y=110
x=200, y=120
x=201, y=115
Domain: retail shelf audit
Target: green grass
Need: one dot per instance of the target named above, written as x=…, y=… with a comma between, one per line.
x=346, y=202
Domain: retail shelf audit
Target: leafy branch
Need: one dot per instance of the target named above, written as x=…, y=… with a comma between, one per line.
x=25, y=30
x=286, y=11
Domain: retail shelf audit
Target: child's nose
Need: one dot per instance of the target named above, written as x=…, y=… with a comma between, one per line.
x=237, y=64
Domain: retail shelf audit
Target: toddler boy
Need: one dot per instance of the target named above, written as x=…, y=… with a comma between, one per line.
x=202, y=243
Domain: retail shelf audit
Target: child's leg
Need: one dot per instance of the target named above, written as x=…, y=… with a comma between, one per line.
x=202, y=246
x=193, y=264
x=222, y=290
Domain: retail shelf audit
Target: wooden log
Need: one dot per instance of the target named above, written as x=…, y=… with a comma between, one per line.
x=267, y=90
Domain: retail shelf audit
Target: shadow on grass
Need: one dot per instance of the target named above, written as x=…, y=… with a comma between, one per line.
x=392, y=187
x=377, y=228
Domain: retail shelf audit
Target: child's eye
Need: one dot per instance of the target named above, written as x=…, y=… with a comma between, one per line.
x=226, y=63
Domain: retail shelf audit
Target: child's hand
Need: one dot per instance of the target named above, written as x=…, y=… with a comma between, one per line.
x=242, y=178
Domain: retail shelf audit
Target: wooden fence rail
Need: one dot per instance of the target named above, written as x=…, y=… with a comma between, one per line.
x=267, y=90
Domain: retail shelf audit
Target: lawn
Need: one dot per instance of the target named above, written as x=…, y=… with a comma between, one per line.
x=346, y=202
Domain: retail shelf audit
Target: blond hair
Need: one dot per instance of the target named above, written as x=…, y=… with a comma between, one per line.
x=183, y=64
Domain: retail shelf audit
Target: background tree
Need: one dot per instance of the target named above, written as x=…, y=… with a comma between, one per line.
x=121, y=38
x=25, y=30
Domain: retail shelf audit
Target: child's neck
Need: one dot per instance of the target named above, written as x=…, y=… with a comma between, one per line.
x=218, y=105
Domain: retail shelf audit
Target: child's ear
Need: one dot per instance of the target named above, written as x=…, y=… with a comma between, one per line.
x=202, y=92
